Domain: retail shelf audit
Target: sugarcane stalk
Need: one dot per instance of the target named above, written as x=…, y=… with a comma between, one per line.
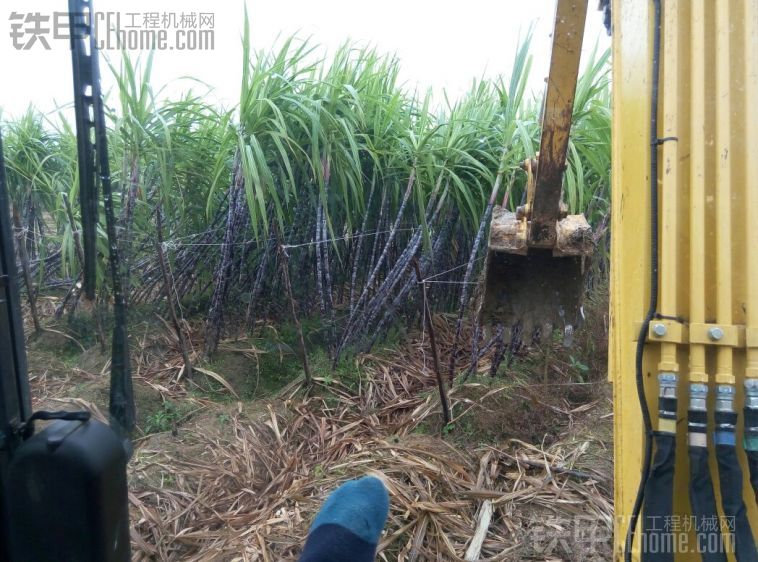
x=24, y=256
x=319, y=264
x=344, y=267
x=76, y=286
x=188, y=261
x=223, y=271
x=400, y=266
x=474, y=363
x=284, y=259
x=384, y=291
x=470, y=268
x=257, y=285
x=432, y=342
x=390, y=238
x=499, y=342
x=328, y=282
x=323, y=246
x=359, y=242
x=380, y=226
x=189, y=257
x=390, y=282
x=382, y=257
x=394, y=274
x=74, y=231
x=442, y=241
x=127, y=220
x=168, y=284
x=507, y=195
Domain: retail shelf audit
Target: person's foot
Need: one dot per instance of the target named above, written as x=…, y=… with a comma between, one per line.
x=349, y=524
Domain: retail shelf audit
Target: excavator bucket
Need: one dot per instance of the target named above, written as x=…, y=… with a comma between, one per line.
x=534, y=276
x=535, y=291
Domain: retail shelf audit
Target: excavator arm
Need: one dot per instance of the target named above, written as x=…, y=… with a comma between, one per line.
x=558, y=109
x=534, y=277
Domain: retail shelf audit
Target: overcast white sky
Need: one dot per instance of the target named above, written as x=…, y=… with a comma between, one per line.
x=441, y=43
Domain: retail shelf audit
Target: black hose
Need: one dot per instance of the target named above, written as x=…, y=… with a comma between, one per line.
x=658, y=537
x=702, y=498
x=653, y=305
x=730, y=481
x=751, y=446
x=657, y=533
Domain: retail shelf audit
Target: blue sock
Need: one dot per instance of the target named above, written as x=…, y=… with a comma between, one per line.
x=349, y=524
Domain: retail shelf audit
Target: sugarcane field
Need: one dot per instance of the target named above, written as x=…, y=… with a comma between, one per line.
x=305, y=282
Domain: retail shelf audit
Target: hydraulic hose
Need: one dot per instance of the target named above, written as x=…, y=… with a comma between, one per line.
x=751, y=431
x=730, y=477
x=702, y=497
x=730, y=471
x=751, y=202
x=653, y=304
x=658, y=506
x=701, y=492
x=657, y=535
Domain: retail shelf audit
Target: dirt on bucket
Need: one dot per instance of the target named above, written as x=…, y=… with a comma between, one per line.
x=536, y=293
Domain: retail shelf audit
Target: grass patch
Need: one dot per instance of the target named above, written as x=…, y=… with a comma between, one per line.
x=277, y=362
x=345, y=372
x=54, y=351
x=250, y=377
x=167, y=417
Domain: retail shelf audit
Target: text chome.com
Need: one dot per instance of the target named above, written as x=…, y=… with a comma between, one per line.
x=162, y=31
